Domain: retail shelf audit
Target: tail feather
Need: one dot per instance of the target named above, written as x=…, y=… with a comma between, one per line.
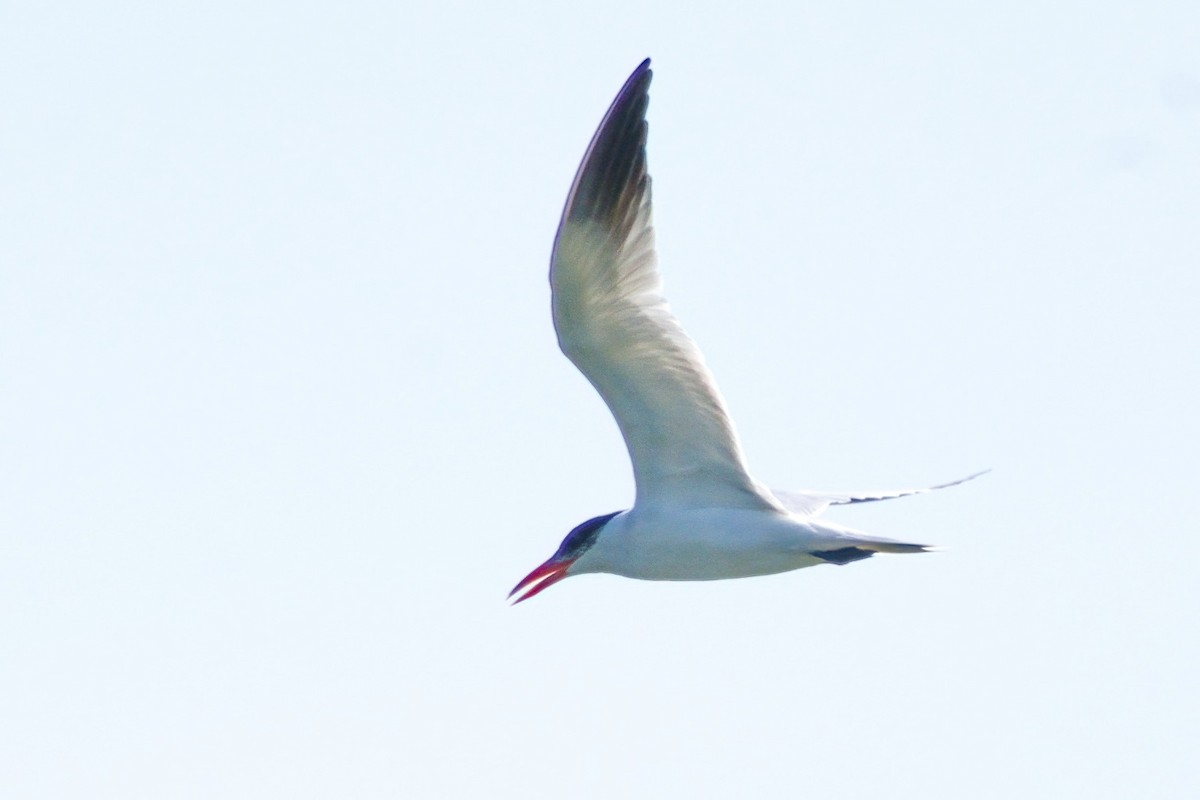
x=897, y=547
x=866, y=549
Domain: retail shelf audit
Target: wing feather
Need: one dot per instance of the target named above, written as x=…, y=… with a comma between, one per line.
x=810, y=504
x=615, y=325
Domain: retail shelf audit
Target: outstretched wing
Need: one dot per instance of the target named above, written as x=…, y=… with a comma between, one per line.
x=615, y=326
x=810, y=504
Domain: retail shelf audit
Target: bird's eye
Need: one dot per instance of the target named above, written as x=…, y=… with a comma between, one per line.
x=582, y=536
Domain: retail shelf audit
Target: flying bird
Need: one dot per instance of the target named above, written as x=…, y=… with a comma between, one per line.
x=698, y=514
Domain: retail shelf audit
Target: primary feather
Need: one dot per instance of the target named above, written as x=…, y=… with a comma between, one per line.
x=616, y=327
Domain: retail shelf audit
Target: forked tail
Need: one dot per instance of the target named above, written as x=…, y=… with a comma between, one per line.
x=866, y=549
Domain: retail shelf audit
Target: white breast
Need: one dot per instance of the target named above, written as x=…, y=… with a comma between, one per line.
x=704, y=544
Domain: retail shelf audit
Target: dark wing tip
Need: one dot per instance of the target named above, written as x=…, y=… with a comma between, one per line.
x=869, y=498
x=843, y=555
x=612, y=175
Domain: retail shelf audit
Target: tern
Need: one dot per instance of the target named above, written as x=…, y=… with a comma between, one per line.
x=698, y=514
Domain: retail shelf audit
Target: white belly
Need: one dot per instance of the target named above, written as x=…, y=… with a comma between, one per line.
x=705, y=544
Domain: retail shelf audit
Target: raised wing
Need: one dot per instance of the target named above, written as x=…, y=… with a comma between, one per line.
x=615, y=326
x=810, y=504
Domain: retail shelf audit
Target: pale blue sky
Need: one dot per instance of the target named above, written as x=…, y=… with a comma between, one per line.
x=282, y=417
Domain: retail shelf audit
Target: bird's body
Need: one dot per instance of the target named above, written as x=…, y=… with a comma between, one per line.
x=705, y=544
x=698, y=515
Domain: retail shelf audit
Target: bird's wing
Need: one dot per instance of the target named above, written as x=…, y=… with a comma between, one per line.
x=810, y=504
x=615, y=326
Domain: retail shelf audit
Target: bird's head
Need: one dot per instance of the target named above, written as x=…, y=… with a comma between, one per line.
x=558, y=566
